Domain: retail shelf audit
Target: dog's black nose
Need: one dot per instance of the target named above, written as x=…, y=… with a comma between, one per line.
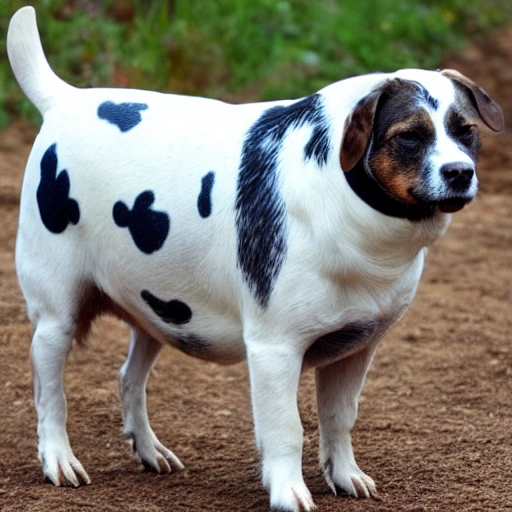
x=458, y=175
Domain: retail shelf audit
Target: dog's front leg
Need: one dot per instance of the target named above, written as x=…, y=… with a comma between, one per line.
x=338, y=388
x=133, y=377
x=274, y=370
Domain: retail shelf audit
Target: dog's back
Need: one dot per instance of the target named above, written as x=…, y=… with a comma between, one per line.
x=135, y=154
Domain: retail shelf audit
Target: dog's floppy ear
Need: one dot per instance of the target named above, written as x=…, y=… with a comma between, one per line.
x=358, y=128
x=488, y=110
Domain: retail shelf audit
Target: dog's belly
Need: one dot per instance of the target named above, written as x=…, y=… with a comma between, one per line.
x=211, y=345
x=194, y=323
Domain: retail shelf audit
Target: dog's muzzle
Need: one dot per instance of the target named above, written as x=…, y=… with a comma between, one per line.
x=458, y=180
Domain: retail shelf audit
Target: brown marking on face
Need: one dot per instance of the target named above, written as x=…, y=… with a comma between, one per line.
x=395, y=117
x=401, y=148
x=404, y=95
x=416, y=121
x=403, y=135
x=392, y=177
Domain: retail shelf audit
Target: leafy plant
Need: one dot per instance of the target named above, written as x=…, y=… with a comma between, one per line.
x=243, y=49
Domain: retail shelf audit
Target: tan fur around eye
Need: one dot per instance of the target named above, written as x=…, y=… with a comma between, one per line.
x=396, y=180
x=419, y=120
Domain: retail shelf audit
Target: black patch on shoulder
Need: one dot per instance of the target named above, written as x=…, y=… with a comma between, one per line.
x=332, y=346
x=56, y=208
x=124, y=115
x=149, y=228
x=172, y=311
x=204, y=201
x=260, y=209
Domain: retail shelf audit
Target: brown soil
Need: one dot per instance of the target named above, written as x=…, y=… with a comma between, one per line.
x=435, y=423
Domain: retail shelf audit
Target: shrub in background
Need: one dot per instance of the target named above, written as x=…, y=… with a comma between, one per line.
x=241, y=49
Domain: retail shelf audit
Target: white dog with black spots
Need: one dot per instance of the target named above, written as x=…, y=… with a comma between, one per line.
x=290, y=233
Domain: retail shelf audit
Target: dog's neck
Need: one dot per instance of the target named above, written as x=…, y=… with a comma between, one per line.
x=368, y=189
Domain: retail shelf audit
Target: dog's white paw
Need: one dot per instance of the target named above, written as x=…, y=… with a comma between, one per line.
x=62, y=468
x=292, y=498
x=154, y=455
x=350, y=479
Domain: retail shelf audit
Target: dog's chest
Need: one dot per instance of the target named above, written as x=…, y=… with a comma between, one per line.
x=350, y=338
x=359, y=311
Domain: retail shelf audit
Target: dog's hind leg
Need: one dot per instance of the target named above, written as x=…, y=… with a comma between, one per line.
x=50, y=346
x=338, y=387
x=133, y=377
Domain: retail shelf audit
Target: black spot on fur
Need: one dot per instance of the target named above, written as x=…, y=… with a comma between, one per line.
x=56, y=208
x=149, y=228
x=172, y=311
x=193, y=345
x=332, y=346
x=204, y=201
x=260, y=210
x=124, y=115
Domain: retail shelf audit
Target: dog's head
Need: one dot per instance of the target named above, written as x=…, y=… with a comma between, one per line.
x=416, y=136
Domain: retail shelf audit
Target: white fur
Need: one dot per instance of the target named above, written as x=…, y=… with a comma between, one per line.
x=345, y=263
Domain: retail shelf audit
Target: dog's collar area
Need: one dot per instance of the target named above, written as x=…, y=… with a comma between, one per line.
x=369, y=190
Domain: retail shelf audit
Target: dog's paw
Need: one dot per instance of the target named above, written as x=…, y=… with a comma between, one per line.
x=63, y=469
x=154, y=456
x=292, y=498
x=350, y=479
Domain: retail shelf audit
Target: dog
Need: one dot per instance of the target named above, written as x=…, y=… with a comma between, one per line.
x=290, y=233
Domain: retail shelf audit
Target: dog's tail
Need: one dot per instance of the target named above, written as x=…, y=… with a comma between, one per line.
x=35, y=76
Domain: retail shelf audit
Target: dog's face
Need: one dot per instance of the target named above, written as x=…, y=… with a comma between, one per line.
x=421, y=146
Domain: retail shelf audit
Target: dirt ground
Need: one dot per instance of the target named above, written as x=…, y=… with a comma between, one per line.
x=435, y=422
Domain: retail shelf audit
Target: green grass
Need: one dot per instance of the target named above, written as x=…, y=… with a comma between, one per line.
x=242, y=49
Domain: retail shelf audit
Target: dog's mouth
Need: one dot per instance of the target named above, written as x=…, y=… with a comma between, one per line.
x=446, y=205
x=453, y=204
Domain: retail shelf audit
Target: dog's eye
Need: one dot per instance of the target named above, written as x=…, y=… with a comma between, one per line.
x=410, y=139
x=465, y=134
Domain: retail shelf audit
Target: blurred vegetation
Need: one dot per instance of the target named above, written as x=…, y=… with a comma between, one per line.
x=241, y=49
